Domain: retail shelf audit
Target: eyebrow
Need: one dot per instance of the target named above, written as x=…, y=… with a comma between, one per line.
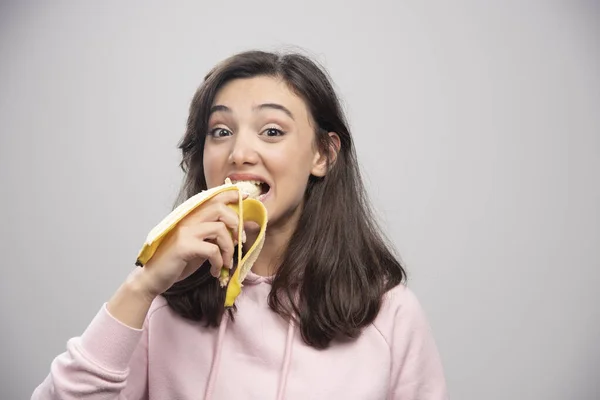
x=218, y=108
x=273, y=106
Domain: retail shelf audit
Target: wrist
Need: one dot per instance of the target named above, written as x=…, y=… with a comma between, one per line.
x=132, y=301
x=138, y=286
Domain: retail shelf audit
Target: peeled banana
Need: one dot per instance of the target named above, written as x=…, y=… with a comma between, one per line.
x=248, y=209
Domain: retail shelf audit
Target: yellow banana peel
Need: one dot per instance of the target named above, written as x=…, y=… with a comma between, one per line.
x=248, y=209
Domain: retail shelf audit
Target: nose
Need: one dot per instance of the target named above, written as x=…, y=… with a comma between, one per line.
x=243, y=151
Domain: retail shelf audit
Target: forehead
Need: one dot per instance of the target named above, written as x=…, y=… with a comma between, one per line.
x=245, y=94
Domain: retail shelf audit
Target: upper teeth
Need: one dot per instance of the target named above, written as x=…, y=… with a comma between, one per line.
x=253, y=182
x=252, y=188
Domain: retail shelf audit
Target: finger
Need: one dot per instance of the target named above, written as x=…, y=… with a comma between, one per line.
x=218, y=234
x=191, y=267
x=219, y=212
x=214, y=257
x=230, y=218
x=224, y=198
x=228, y=196
x=212, y=253
x=226, y=244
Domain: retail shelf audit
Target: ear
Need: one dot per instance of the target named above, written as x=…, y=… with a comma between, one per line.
x=320, y=164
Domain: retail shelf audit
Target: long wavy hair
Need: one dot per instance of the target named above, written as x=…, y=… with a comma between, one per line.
x=338, y=264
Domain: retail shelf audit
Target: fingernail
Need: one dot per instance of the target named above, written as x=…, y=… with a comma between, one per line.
x=231, y=264
x=243, y=236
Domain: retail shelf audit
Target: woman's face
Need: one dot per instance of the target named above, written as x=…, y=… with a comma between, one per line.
x=260, y=131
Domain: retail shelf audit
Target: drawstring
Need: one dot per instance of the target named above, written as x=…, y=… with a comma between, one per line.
x=287, y=357
x=214, y=369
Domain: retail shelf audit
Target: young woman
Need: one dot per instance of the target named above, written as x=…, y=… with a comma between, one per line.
x=324, y=312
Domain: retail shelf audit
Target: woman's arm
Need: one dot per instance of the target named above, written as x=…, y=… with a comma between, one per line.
x=109, y=361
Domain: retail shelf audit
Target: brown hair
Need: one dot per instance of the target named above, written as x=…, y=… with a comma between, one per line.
x=337, y=265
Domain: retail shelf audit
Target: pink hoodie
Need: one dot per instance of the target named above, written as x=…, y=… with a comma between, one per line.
x=258, y=356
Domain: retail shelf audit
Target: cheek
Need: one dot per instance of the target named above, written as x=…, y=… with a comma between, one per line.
x=211, y=166
x=291, y=168
x=286, y=162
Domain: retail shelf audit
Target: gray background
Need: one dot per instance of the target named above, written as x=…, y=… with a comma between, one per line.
x=477, y=125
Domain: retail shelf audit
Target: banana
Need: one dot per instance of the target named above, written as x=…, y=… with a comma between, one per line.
x=248, y=209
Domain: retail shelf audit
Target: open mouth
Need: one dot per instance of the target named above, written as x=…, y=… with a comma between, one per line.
x=255, y=189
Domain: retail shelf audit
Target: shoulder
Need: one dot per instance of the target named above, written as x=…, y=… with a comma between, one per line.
x=401, y=311
x=416, y=367
x=159, y=307
x=400, y=299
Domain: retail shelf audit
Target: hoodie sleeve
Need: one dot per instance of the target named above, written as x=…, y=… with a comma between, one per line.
x=109, y=361
x=417, y=372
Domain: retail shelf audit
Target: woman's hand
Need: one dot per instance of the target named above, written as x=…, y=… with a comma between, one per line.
x=204, y=234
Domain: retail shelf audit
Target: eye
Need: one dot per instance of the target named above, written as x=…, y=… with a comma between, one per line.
x=273, y=132
x=219, y=132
